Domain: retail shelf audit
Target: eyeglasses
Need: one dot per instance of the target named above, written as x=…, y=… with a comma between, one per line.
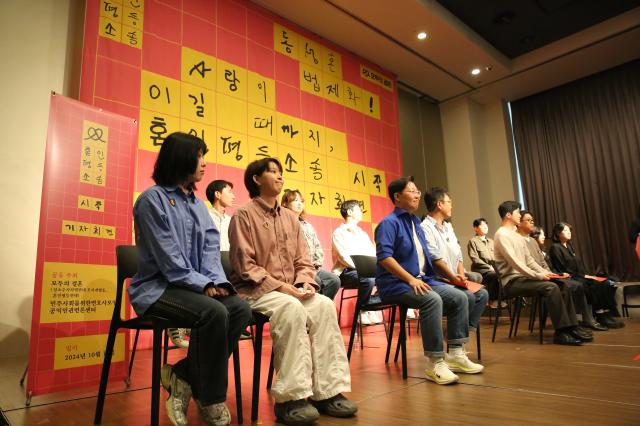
x=414, y=192
x=528, y=220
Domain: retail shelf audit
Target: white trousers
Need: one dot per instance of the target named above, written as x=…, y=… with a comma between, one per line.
x=309, y=355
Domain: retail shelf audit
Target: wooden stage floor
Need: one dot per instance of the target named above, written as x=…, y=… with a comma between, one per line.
x=523, y=383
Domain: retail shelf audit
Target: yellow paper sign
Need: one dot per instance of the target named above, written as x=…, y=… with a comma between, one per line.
x=370, y=104
x=261, y=148
x=231, y=113
x=285, y=41
x=289, y=130
x=132, y=36
x=261, y=90
x=310, y=79
x=292, y=160
x=313, y=137
x=315, y=168
x=261, y=122
x=332, y=63
x=358, y=178
x=133, y=18
x=73, y=292
x=351, y=96
x=84, y=229
x=376, y=182
x=204, y=132
x=232, y=149
x=331, y=88
x=198, y=104
x=232, y=80
x=154, y=127
x=311, y=53
x=338, y=173
x=336, y=144
x=80, y=351
x=90, y=203
x=159, y=93
x=317, y=199
x=110, y=29
x=198, y=68
x=337, y=196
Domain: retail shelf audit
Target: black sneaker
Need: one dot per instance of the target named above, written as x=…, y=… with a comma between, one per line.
x=336, y=406
x=608, y=321
x=294, y=413
x=596, y=326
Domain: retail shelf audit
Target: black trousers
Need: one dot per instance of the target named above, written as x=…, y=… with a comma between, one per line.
x=490, y=280
x=216, y=325
x=558, y=298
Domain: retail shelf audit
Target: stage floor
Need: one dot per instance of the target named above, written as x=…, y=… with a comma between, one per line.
x=523, y=383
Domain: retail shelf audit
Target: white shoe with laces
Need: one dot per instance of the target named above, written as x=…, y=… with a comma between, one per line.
x=458, y=361
x=438, y=371
x=179, y=395
x=177, y=336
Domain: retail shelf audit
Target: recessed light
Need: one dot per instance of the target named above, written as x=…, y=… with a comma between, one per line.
x=422, y=35
x=475, y=71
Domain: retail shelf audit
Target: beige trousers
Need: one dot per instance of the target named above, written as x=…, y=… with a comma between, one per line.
x=309, y=355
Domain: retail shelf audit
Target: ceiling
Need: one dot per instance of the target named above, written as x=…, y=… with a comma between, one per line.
x=439, y=68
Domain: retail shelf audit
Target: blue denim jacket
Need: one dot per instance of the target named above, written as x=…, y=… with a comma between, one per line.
x=178, y=244
x=394, y=238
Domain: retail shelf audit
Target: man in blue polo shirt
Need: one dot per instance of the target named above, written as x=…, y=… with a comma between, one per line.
x=405, y=275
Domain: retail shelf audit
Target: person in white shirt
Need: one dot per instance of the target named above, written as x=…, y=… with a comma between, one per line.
x=445, y=252
x=349, y=239
x=220, y=195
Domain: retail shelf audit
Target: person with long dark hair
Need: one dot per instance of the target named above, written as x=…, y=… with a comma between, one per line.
x=329, y=282
x=180, y=277
x=600, y=293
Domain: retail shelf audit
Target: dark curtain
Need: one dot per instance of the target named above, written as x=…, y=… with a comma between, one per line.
x=578, y=149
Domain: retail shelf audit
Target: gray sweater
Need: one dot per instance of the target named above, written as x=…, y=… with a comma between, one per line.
x=513, y=258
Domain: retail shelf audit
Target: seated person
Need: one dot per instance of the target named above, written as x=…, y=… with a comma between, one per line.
x=480, y=249
x=180, y=278
x=405, y=275
x=329, y=283
x=272, y=272
x=564, y=259
x=583, y=310
x=522, y=276
x=220, y=195
x=445, y=252
x=349, y=239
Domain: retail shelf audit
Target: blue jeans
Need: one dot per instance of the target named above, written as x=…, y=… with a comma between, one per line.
x=329, y=283
x=350, y=280
x=442, y=299
x=477, y=302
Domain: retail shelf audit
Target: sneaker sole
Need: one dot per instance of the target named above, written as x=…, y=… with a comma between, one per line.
x=458, y=369
x=439, y=381
x=165, y=377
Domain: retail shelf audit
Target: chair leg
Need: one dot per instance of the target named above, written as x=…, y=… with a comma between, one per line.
x=532, y=314
x=257, y=359
x=514, y=315
x=354, y=324
x=271, y=369
x=478, y=343
x=340, y=307
x=155, y=377
x=543, y=319
x=236, y=378
x=104, y=376
x=360, y=332
x=392, y=320
x=403, y=339
x=133, y=355
x=519, y=312
x=165, y=345
x=495, y=322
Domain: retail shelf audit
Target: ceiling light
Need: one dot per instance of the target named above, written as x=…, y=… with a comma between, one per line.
x=422, y=35
x=475, y=71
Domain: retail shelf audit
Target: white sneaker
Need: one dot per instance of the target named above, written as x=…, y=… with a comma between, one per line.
x=459, y=362
x=215, y=414
x=411, y=314
x=375, y=317
x=177, y=336
x=438, y=371
x=365, y=319
x=179, y=395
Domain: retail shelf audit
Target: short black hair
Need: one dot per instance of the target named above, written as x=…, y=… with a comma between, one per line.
x=216, y=186
x=399, y=185
x=346, y=206
x=536, y=232
x=523, y=212
x=178, y=159
x=257, y=168
x=507, y=207
x=557, y=230
x=477, y=222
x=432, y=196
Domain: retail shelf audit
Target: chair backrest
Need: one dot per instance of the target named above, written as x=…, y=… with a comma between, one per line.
x=365, y=265
x=225, y=260
x=127, y=261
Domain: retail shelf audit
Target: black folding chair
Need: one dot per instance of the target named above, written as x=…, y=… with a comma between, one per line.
x=366, y=268
x=127, y=266
x=514, y=317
